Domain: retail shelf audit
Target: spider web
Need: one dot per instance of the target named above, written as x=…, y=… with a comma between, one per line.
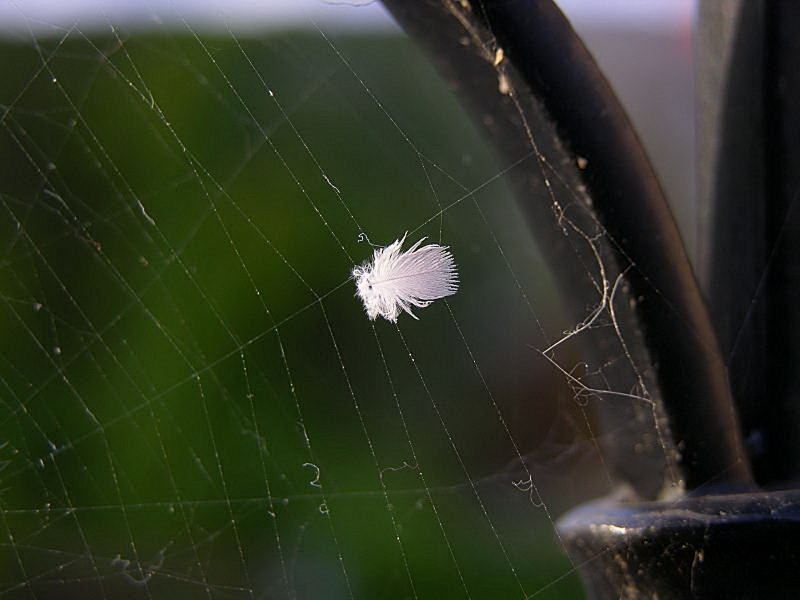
x=193, y=402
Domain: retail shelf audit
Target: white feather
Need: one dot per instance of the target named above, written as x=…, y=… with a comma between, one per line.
x=395, y=280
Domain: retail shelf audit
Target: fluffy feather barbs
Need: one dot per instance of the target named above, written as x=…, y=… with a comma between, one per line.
x=396, y=280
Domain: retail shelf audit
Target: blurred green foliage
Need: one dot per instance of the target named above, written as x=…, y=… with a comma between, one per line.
x=166, y=386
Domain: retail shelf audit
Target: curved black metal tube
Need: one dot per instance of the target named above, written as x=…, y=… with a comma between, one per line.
x=550, y=66
x=691, y=373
